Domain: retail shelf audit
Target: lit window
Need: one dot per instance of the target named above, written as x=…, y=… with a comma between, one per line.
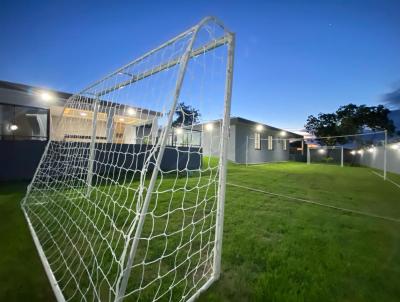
x=269, y=142
x=23, y=123
x=257, y=141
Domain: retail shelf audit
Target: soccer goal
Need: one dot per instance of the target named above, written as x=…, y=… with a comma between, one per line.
x=368, y=149
x=326, y=154
x=119, y=210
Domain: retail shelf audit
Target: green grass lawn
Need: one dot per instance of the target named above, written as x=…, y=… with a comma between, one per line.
x=274, y=249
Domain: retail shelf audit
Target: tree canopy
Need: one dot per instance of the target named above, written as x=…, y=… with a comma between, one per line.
x=350, y=119
x=185, y=115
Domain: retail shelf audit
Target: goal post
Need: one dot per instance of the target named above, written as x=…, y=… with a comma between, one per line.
x=385, y=142
x=116, y=209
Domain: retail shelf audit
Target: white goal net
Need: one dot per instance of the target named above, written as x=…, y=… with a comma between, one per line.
x=123, y=205
x=369, y=149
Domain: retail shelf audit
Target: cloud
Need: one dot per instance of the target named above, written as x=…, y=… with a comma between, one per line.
x=392, y=99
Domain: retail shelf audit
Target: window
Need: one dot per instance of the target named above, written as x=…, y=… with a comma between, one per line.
x=257, y=141
x=269, y=142
x=285, y=144
x=23, y=123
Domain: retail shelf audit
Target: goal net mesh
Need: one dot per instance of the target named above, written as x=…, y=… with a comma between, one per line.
x=123, y=203
x=343, y=150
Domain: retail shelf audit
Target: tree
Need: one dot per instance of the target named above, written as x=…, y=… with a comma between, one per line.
x=186, y=115
x=349, y=119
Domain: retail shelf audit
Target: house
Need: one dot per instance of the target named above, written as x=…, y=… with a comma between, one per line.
x=32, y=113
x=30, y=116
x=250, y=142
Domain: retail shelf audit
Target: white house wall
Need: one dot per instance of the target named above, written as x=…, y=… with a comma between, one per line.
x=77, y=127
x=244, y=130
x=375, y=159
x=210, y=141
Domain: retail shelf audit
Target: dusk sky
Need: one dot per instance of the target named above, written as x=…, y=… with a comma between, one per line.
x=293, y=58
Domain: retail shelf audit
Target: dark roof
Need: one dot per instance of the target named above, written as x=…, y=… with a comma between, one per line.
x=30, y=89
x=235, y=120
x=64, y=95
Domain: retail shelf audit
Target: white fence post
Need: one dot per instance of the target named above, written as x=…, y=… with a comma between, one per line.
x=341, y=158
x=247, y=150
x=385, y=157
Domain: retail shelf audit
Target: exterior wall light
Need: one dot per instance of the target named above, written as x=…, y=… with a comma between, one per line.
x=209, y=127
x=131, y=111
x=46, y=96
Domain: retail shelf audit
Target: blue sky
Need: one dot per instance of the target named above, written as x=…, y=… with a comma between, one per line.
x=293, y=58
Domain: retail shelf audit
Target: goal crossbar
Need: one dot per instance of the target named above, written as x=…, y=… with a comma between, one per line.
x=193, y=53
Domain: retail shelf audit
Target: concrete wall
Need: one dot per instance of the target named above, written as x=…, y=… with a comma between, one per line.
x=263, y=155
x=375, y=159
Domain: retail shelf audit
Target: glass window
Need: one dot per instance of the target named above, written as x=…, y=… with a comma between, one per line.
x=285, y=144
x=270, y=146
x=257, y=141
x=6, y=120
x=23, y=123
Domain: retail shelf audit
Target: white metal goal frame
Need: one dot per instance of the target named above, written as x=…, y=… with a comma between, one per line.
x=324, y=148
x=90, y=102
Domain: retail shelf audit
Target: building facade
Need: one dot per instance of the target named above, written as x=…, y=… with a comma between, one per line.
x=31, y=116
x=250, y=142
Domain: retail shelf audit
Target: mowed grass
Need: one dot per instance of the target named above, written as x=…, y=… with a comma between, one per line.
x=274, y=249
x=83, y=235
